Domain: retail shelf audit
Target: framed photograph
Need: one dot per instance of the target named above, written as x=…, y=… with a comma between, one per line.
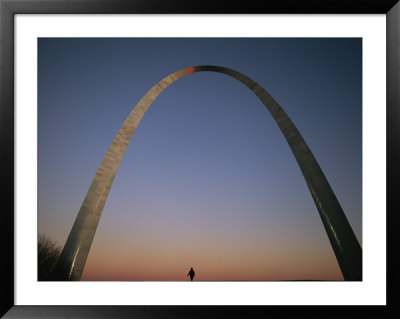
x=262, y=181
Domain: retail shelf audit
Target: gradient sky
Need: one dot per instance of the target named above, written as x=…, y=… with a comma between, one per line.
x=208, y=179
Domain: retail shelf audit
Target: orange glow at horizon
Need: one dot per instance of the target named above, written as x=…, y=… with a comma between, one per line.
x=162, y=257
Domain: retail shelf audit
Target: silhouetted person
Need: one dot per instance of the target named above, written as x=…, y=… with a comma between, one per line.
x=191, y=273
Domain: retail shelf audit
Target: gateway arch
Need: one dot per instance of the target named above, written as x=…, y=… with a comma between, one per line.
x=347, y=250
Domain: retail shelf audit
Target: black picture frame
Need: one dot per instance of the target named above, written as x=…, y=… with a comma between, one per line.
x=8, y=9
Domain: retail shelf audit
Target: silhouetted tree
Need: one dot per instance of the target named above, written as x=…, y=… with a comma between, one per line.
x=48, y=253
